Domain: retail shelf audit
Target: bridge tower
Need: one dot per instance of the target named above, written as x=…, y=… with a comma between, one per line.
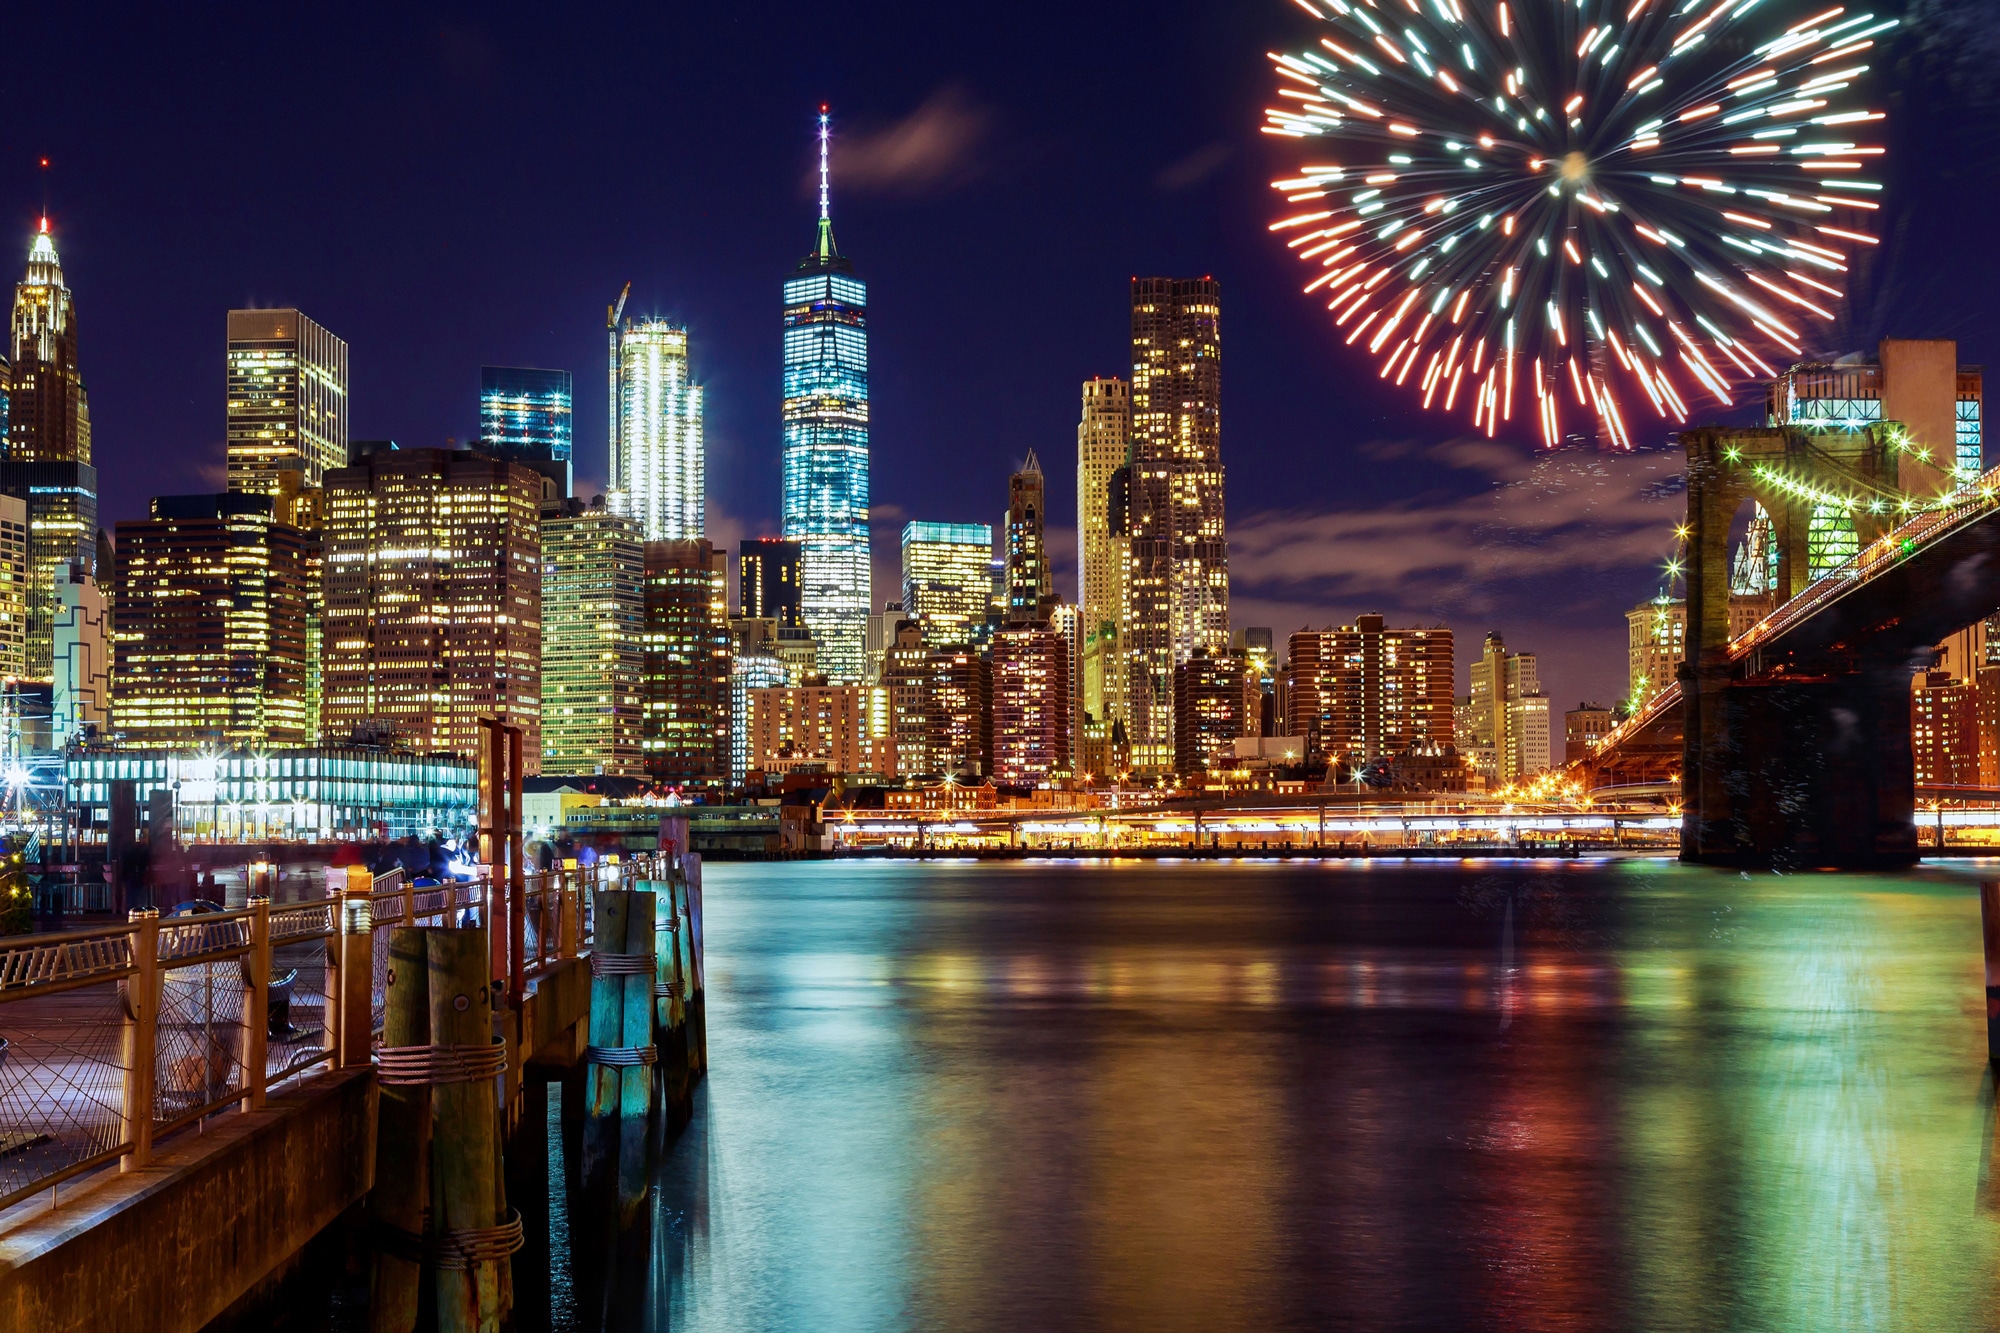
x=1803, y=759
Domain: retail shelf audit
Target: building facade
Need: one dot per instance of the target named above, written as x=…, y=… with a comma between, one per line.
x=1031, y=704
x=525, y=416
x=658, y=457
x=832, y=729
x=909, y=675
x=961, y=714
x=433, y=600
x=1944, y=731
x=826, y=455
x=13, y=588
x=1362, y=692
x=767, y=580
x=62, y=530
x=80, y=696
x=1509, y=714
x=1029, y=587
x=751, y=669
x=1583, y=726
x=948, y=580
x=48, y=409
x=1209, y=709
x=687, y=673
x=1103, y=448
x=209, y=624
x=1178, y=569
x=593, y=641
x=286, y=383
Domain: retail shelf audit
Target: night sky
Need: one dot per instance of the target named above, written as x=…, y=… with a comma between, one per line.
x=449, y=189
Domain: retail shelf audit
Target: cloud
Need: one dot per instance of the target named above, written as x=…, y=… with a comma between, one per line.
x=932, y=148
x=1193, y=169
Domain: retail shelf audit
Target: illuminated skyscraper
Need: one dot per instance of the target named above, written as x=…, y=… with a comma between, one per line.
x=287, y=401
x=1178, y=586
x=48, y=412
x=433, y=602
x=524, y=417
x=687, y=673
x=1031, y=704
x=1364, y=691
x=767, y=583
x=209, y=620
x=1028, y=584
x=826, y=442
x=593, y=641
x=658, y=461
x=62, y=529
x=947, y=580
x=1103, y=447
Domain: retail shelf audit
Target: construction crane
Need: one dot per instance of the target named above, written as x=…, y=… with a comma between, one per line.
x=612, y=314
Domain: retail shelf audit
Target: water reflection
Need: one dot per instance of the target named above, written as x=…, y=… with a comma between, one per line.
x=1303, y=1095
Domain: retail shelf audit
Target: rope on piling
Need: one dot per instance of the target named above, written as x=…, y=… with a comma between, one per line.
x=625, y=1057
x=620, y=964
x=431, y=1066
x=456, y=1248
x=667, y=990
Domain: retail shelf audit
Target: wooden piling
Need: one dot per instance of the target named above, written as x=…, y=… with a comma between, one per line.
x=607, y=1016
x=466, y=1188
x=401, y=1195
x=669, y=1009
x=636, y=1101
x=697, y=970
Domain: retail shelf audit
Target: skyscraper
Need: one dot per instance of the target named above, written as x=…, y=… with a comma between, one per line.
x=1510, y=714
x=1031, y=705
x=62, y=529
x=1028, y=583
x=1178, y=586
x=687, y=675
x=658, y=461
x=593, y=641
x=1103, y=446
x=433, y=602
x=826, y=441
x=13, y=587
x=1365, y=691
x=767, y=580
x=48, y=412
x=81, y=694
x=287, y=401
x=524, y=417
x=947, y=580
x=209, y=619
x=1209, y=709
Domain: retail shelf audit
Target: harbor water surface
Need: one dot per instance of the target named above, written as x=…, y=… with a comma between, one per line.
x=1312, y=1094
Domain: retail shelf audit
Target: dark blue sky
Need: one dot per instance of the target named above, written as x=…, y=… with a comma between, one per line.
x=446, y=188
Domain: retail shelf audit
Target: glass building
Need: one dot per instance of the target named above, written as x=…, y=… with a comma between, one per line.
x=524, y=417
x=826, y=443
x=753, y=669
x=948, y=580
x=658, y=460
x=287, y=401
x=62, y=530
x=593, y=641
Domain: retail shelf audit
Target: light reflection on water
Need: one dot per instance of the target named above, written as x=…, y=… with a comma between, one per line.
x=1205, y=1096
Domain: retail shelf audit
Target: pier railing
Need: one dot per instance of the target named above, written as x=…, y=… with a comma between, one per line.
x=115, y=1036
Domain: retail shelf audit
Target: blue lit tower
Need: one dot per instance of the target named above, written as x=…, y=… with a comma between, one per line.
x=826, y=442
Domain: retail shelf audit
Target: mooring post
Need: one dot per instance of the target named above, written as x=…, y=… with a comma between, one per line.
x=467, y=1210
x=636, y=1084
x=141, y=1037
x=1989, y=919
x=356, y=1027
x=401, y=1194
x=669, y=1015
x=607, y=1020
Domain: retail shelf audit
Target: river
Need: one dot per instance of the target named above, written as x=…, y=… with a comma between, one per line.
x=1271, y=1095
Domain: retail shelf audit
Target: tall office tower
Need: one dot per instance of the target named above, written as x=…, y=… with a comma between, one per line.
x=13, y=587
x=659, y=467
x=209, y=622
x=687, y=674
x=948, y=580
x=1103, y=447
x=433, y=600
x=961, y=717
x=80, y=698
x=48, y=411
x=908, y=676
x=753, y=667
x=287, y=402
x=1209, y=709
x=1028, y=584
x=767, y=580
x=1510, y=714
x=1031, y=705
x=593, y=641
x=826, y=441
x=62, y=528
x=1364, y=691
x=1178, y=572
x=1918, y=382
x=524, y=417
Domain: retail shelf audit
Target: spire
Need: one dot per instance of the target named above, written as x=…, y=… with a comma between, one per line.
x=43, y=267
x=825, y=249
x=1033, y=465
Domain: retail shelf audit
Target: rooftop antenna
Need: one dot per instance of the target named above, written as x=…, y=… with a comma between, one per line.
x=825, y=192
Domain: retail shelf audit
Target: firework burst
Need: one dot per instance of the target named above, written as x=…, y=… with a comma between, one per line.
x=1544, y=209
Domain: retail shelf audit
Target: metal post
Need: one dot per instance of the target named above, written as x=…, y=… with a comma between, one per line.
x=141, y=1043
x=257, y=1004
